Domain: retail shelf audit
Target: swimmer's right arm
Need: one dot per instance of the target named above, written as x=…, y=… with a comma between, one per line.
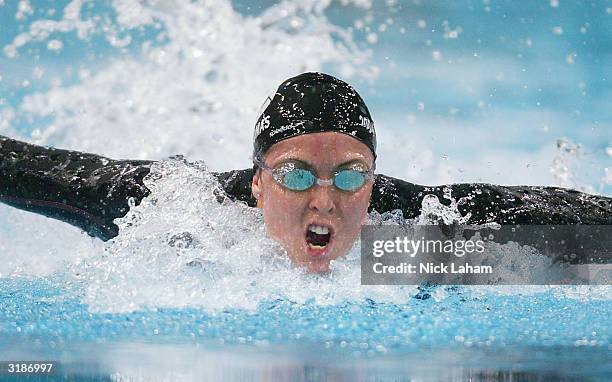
x=86, y=190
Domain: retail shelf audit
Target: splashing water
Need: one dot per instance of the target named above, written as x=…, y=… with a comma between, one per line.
x=180, y=247
x=186, y=242
x=188, y=263
x=191, y=265
x=568, y=158
x=178, y=83
x=561, y=169
x=434, y=212
x=187, y=89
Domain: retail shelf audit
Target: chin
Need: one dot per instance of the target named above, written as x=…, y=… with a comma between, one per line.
x=312, y=265
x=318, y=266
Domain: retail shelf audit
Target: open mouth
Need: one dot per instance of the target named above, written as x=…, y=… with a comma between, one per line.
x=318, y=238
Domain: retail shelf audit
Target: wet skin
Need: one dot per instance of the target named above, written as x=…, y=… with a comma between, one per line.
x=288, y=214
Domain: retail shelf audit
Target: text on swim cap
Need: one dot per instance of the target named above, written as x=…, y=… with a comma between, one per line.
x=367, y=124
x=262, y=124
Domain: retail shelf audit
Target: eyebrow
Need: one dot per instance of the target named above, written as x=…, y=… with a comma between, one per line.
x=349, y=162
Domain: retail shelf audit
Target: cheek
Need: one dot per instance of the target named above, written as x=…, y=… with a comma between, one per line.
x=355, y=212
x=356, y=206
x=281, y=210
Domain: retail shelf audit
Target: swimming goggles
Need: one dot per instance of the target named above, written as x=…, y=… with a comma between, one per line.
x=297, y=176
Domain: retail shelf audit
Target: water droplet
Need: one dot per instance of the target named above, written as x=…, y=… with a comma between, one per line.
x=55, y=45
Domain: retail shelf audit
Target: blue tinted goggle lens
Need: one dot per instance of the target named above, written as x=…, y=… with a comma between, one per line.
x=298, y=179
x=349, y=180
x=302, y=179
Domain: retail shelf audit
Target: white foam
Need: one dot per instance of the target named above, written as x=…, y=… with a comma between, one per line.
x=195, y=90
x=181, y=247
x=194, y=93
x=33, y=245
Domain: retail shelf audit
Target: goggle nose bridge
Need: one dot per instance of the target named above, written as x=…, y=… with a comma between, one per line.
x=325, y=182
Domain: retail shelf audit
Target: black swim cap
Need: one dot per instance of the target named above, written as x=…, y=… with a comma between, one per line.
x=313, y=103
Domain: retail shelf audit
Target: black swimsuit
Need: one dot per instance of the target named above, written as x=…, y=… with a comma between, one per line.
x=90, y=191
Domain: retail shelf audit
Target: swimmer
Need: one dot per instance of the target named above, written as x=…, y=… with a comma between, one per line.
x=314, y=167
x=314, y=178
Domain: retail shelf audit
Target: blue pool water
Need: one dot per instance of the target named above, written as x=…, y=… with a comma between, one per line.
x=542, y=334
x=495, y=91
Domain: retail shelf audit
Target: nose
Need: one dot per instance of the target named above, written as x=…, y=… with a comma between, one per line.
x=321, y=199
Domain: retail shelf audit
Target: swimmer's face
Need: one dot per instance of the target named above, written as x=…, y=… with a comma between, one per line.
x=291, y=216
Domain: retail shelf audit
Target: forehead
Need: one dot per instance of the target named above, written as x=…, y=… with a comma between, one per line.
x=326, y=148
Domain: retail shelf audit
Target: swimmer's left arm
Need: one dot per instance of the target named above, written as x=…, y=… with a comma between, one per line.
x=511, y=205
x=527, y=205
x=531, y=205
